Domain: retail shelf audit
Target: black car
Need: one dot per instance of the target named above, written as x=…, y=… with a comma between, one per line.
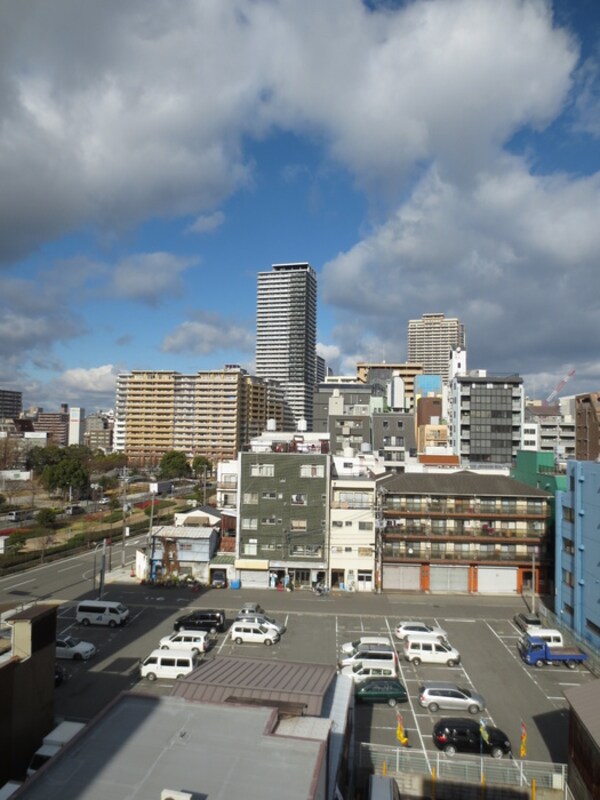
x=209, y=619
x=457, y=735
x=381, y=690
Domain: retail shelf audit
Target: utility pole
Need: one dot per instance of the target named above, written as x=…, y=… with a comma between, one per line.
x=533, y=582
x=378, y=543
x=124, y=517
x=102, y=570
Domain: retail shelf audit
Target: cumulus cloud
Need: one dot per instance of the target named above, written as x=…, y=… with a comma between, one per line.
x=149, y=277
x=208, y=334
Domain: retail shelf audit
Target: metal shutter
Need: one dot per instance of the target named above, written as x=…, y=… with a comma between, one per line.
x=449, y=579
x=497, y=580
x=407, y=578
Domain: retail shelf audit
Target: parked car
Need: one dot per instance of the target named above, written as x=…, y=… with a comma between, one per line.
x=244, y=631
x=527, y=621
x=381, y=690
x=457, y=735
x=360, y=672
x=412, y=628
x=351, y=647
x=201, y=619
x=441, y=694
x=196, y=641
x=250, y=609
x=69, y=647
x=265, y=621
x=218, y=579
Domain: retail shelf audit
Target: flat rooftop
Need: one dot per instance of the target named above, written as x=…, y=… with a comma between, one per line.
x=141, y=745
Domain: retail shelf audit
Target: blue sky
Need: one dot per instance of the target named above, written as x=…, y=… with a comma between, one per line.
x=438, y=156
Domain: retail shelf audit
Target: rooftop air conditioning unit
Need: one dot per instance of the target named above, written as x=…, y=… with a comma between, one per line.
x=172, y=794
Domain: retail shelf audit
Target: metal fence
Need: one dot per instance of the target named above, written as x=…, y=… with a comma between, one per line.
x=494, y=772
x=551, y=620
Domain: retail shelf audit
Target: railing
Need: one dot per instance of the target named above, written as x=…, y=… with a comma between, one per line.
x=470, y=556
x=468, y=533
x=400, y=762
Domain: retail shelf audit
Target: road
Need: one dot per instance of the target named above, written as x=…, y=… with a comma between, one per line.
x=480, y=627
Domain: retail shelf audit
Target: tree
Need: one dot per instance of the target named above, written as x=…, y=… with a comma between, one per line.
x=16, y=542
x=67, y=476
x=200, y=464
x=2, y=500
x=45, y=518
x=174, y=465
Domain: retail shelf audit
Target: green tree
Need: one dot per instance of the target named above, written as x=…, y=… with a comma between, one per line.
x=174, y=465
x=2, y=500
x=45, y=518
x=199, y=464
x=67, y=476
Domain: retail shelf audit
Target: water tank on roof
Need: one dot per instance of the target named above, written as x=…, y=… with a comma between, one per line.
x=302, y=426
x=365, y=447
x=271, y=425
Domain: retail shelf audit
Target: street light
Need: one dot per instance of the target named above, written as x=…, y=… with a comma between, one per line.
x=124, y=516
x=101, y=544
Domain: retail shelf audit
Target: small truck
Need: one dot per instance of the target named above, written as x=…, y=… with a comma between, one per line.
x=537, y=652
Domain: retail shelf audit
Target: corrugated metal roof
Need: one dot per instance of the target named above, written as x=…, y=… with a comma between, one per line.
x=223, y=678
x=223, y=558
x=585, y=702
x=464, y=482
x=182, y=532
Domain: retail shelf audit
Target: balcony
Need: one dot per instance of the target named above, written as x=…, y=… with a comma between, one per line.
x=421, y=556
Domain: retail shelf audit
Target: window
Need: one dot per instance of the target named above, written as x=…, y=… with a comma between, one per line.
x=298, y=524
x=312, y=471
x=269, y=495
x=250, y=548
x=365, y=526
x=299, y=499
x=568, y=515
x=347, y=549
x=167, y=662
x=249, y=523
x=250, y=498
x=337, y=523
x=270, y=520
x=262, y=470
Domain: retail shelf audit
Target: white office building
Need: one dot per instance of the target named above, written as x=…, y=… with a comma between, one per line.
x=286, y=333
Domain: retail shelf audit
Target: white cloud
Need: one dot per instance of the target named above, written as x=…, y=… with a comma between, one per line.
x=206, y=223
x=208, y=334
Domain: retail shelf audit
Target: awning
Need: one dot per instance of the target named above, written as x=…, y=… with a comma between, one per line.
x=251, y=563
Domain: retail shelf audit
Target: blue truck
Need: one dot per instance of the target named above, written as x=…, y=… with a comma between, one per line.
x=537, y=652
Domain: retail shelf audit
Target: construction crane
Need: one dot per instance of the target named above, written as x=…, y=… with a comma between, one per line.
x=553, y=395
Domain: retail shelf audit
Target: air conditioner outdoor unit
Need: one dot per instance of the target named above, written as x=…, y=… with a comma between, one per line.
x=173, y=794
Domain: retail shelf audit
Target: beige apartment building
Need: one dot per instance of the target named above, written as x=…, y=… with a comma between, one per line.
x=213, y=413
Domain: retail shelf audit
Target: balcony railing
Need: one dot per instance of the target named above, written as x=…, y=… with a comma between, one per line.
x=391, y=557
x=407, y=531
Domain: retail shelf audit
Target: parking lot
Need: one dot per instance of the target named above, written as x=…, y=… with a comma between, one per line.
x=317, y=628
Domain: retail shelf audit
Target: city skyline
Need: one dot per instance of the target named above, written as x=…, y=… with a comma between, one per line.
x=154, y=163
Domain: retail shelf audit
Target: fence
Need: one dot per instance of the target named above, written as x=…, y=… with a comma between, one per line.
x=439, y=768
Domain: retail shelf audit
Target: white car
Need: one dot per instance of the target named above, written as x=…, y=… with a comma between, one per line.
x=196, y=641
x=69, y=647
x=416, y=628
x=351, y=647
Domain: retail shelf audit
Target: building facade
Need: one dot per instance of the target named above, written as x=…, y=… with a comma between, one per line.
x=11, y=404
x=352, y=537
x=286, y=334
x=587, y=426
x=463, y=532
x=283, y=518
x=212, y=413
x=485, y=416
x=578, y=551
x=430, y=341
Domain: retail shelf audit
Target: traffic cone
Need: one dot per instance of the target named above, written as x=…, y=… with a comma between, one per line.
x=132, y=573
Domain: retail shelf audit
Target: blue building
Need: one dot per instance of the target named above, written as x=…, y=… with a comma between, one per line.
x=577, y=570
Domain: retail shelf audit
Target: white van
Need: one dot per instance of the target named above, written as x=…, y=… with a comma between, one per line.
x=168, y=664
x=52, y=743
x=374, y=669
x=351, y=647
x=548, y=635
x=372, y=652
x=244, y=631
x=101, y=612
x=428, y=651
x=196, y=641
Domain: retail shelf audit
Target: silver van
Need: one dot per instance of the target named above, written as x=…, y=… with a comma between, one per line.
x=430, y=651
x=101, y=612
x=168, y=664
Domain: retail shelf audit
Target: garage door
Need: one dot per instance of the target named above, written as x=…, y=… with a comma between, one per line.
x=254, y=578
x=402, y=578
x=497, y=580
x=449, y=579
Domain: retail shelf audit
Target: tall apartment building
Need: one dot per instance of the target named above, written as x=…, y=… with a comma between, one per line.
x=286, y=334
x=485, y=417
x=431, y=340
x=398, y=377
x=11, y=404
x=549, y=430
x=213, y=413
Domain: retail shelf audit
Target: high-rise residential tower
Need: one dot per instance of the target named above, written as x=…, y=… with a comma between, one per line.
x=286, y=333
x=431, y=340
